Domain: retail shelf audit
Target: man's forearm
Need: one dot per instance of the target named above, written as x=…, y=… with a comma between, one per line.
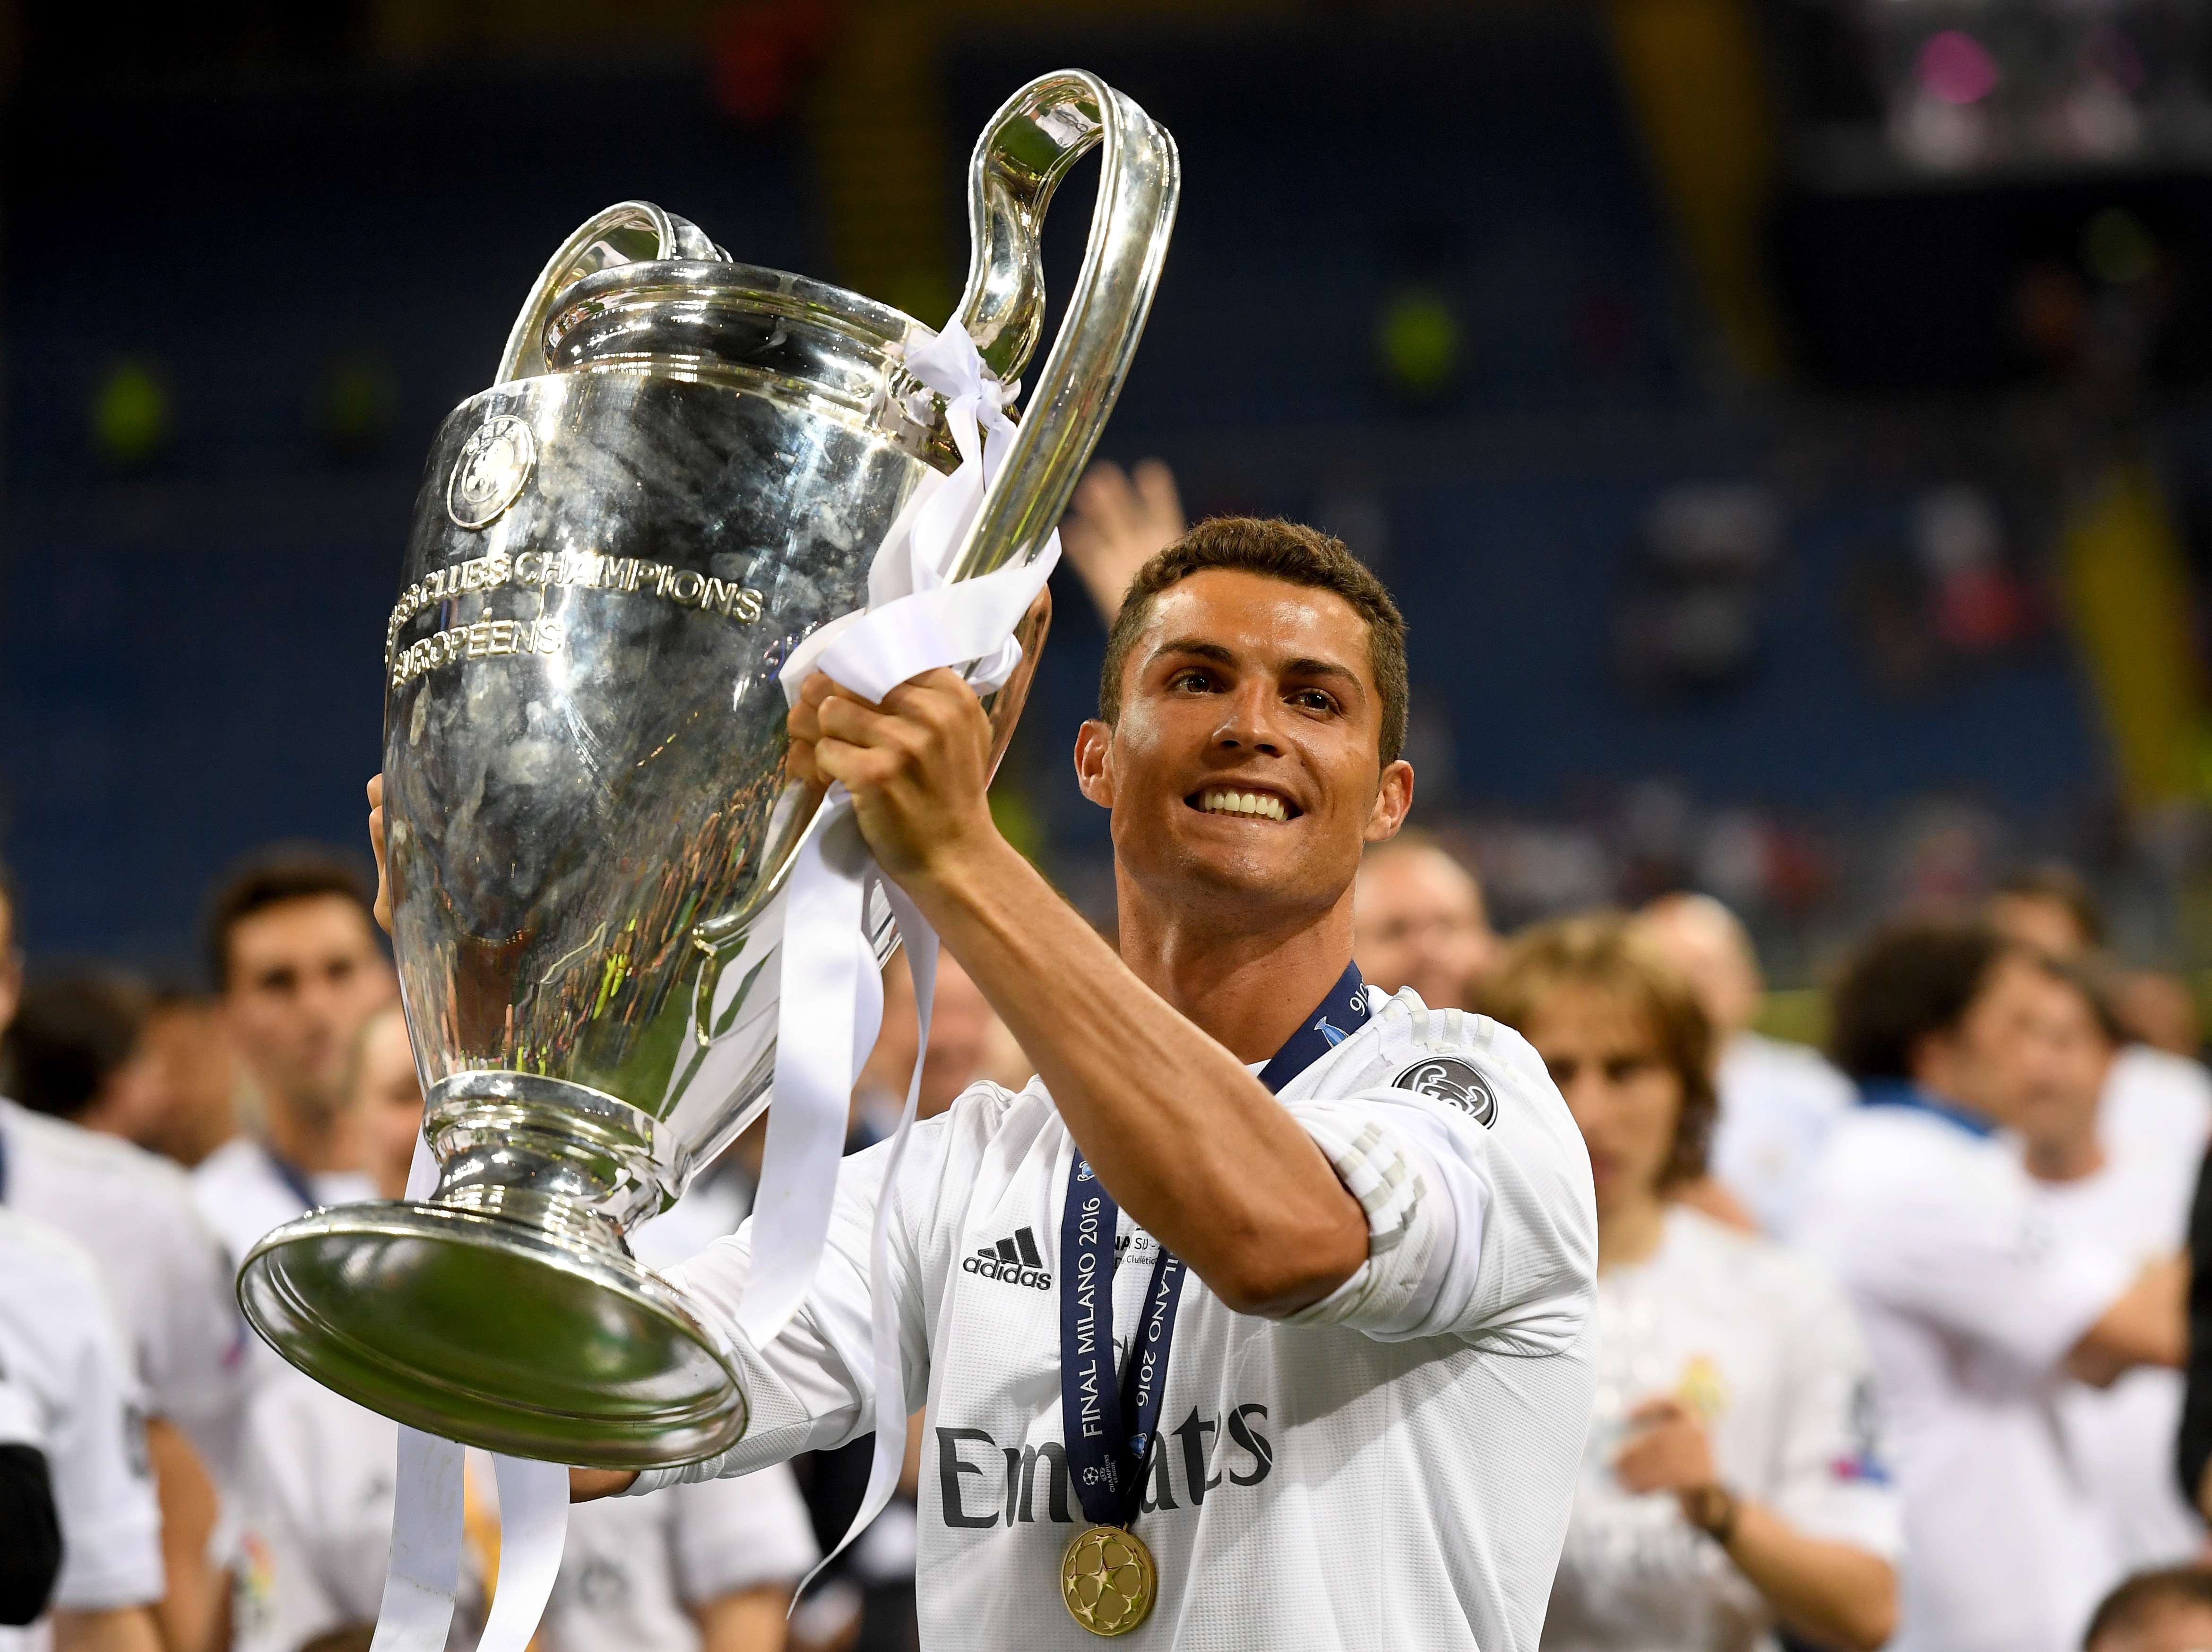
x=1189, y=1142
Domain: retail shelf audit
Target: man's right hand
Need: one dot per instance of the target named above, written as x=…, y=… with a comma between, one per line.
x=376, y=845
x=590, y=1484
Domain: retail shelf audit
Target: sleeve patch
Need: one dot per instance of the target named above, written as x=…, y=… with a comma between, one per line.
x=1450, y=1079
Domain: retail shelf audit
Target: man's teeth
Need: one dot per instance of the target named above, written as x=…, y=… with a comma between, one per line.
x=1265, y=805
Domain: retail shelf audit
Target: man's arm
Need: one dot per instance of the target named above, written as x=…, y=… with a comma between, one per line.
x=1191, y=1145
x=2147, y=1325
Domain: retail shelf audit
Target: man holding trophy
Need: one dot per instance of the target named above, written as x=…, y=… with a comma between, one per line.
x=1261, y=1317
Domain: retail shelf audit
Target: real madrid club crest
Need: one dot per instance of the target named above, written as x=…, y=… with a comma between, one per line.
x=1451, y=1079
x=493, y=465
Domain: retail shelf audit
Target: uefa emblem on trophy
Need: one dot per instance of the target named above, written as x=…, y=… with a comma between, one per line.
x=683, y=471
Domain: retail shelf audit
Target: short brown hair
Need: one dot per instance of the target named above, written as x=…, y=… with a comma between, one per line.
x=70, y=1034
x=1605, y=951
x=2130, y=1605
x=1275, y=550
x=1910, y=979
x=274, y=878
x=2058, y=883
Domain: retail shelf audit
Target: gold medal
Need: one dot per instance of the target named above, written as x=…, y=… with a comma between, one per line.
x=1108, y=1579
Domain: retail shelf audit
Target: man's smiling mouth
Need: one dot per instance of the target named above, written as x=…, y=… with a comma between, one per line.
x=1253, y=806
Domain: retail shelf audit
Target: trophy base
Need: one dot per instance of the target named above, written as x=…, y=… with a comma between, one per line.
x=498, y=1332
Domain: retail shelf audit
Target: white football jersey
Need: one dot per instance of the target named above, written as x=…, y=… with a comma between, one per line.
x=1778, y=1102
x=318, y=1496
x=243, y=1194
x=1762, y=1343
x=1971, y=1301
x=1391, y=1468
x=59, y=1342
x=163, y=1267
x=2155, y=1114
x=2121, y=1438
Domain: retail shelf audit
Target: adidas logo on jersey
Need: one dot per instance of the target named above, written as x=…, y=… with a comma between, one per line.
x=1015, y=1260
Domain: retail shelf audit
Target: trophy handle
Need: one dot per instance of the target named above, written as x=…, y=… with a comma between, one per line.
x=1039, y=133
x=619, y=235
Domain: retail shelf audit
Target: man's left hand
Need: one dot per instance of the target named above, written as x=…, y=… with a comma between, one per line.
x=918, y=766
x=1667, y=1451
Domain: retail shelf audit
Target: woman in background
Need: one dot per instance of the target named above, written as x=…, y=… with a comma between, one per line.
x=1732, y=1481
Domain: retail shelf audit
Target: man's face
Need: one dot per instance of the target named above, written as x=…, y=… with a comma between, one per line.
x=2023, y=1055
x=1244, y=768
x=389, y=1103
x=2037, y=921
x=304, y=976
x=1419, y=922
x=2172, y=1625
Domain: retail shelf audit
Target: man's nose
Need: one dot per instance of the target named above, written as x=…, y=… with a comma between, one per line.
x=1250, y=724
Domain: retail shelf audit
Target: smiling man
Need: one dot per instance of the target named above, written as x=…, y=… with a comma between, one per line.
x=1352, y=1241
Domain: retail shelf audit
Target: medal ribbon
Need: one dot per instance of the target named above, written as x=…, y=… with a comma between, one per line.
x=1110, y=1433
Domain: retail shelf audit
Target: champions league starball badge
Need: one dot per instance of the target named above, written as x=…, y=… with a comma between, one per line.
x=1449, y=1078
x=493, y=465
x=1109, y=1581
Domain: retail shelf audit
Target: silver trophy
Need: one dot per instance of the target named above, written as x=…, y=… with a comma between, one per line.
x=685, y=467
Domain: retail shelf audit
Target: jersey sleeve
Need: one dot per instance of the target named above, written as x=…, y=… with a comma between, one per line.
x=103, y=1483
x=1975, y=1256
x=1833, y=1476
x=736, y=1534
x=813, y=1389
x=1481, y=1219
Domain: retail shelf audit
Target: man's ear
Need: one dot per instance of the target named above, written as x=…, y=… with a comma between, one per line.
x=1393, y=799
x=1094, y=762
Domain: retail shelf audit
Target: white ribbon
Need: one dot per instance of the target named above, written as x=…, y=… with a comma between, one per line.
x=831, y=1005
x=829, y=1009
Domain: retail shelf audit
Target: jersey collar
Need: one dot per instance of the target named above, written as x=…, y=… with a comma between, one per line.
x=1900, y=1092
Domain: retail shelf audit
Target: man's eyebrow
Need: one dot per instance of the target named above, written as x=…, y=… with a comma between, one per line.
x=1199, y=647
x=1323, y=668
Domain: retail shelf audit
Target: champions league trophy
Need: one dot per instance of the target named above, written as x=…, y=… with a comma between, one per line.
x=684, y=470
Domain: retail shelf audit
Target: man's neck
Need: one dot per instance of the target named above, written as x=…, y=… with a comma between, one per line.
x=1248, y=978
x=305, y=1136
x=2068, y=1158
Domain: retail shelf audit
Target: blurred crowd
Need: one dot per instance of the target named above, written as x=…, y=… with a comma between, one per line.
x=1895, y=1335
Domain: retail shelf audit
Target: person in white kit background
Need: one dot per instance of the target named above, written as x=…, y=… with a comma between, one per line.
x=296, y=959
x=2121, y=1438
x=2156, y=1110
x=1378, y=1383
x=31, y=1558
x=1735, y=1480
x=1418, y=921
x=707, y=1568
x=1980, y=1312
x=59, y=1345
x=72, y=1074
x=1777, y=1100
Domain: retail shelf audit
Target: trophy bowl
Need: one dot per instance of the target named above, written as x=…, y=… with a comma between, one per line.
x=685, y=468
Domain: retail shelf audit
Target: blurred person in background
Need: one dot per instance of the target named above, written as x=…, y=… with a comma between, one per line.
x=58, y=1345
x=2157, y=1104
x=1732, y=1479
x=1117, y=521
x=1418, y=921
x=705, y=1568
x=2168, y=1611
x=1978, y=1310
x=1777, y=1100
x=297, y=962
x=198, y=1109
x=76, y=1081
x=2121, y=1437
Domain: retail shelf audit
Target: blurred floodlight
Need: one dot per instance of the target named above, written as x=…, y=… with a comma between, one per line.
x=129, y=412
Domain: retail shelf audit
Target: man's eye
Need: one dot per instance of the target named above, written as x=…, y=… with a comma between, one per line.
x=1314, y=700
x=1194, y=682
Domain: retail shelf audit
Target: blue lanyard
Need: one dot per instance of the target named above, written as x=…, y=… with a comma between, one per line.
x=1898, y=1092
x=293, y=1177
x=1109, y=1429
